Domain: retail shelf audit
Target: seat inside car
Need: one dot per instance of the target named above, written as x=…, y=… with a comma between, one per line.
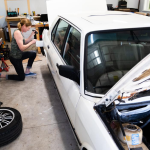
x=116, y=61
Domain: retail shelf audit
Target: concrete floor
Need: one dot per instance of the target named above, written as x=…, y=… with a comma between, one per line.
x=45, y=125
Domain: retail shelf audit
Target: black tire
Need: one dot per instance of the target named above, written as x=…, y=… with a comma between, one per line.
x=10, y=125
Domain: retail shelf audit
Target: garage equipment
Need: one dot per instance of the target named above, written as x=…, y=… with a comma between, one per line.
x=4, y=66
x=12, y=13
x=5, y=51
x=122, y=4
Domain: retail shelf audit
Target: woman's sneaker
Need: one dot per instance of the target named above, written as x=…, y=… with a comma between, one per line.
x=30, y=74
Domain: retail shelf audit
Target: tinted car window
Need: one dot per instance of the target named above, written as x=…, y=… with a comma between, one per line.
x=72, y=48
x=60, y=34
x=111, y=55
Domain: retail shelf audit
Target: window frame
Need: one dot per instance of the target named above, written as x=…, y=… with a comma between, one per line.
x=67, y=36
x=56, y=25
x=64, y=41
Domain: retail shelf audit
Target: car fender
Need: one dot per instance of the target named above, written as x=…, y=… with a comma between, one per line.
x=46, y=40
x=90, y=128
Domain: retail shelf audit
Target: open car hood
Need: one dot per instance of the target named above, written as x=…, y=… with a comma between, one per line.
x=134, y=81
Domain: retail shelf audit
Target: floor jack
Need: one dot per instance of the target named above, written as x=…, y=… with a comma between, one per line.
x=4, y=66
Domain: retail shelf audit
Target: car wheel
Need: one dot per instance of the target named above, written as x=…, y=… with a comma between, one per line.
x=10, y=125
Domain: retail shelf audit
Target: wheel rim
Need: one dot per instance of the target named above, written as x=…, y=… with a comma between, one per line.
x=6, y=117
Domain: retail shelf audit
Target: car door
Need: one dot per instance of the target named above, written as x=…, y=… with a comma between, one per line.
x=65, y=44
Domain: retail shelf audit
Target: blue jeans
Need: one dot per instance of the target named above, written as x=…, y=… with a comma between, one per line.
x=17, y=63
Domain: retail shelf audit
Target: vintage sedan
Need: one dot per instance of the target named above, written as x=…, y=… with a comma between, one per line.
x=100, y=63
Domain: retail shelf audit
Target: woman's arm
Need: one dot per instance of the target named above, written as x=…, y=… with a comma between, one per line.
x=19, y=40
x=30, y=37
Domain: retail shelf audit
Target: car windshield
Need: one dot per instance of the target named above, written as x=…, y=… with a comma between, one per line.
x=109, y=56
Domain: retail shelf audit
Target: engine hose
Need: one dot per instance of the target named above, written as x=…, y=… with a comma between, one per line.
x=145, y=124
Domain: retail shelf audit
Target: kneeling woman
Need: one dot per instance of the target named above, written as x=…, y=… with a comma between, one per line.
x=17, y=54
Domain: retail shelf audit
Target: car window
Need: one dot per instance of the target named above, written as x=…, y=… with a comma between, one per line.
x=110, y=56
x=72, y=48
x=60, y=34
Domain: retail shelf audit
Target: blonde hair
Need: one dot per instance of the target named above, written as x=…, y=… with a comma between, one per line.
x=25, y=22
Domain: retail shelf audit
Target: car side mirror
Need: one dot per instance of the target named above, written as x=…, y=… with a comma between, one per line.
x=69, y=72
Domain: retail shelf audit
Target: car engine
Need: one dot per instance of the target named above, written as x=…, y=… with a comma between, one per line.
x=129, y=122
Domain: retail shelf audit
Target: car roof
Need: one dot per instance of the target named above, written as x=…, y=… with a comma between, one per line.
x=108, y=20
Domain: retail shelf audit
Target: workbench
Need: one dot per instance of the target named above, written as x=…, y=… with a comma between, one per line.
x=18, y=18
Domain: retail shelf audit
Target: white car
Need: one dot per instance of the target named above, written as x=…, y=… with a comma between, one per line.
x=100, y=63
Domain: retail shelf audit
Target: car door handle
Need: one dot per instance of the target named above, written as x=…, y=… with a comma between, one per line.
x=48, y=46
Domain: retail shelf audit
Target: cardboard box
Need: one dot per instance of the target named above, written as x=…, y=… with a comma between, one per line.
x=2, y=35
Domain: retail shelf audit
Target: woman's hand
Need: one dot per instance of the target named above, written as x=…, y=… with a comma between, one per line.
x=33, y=41
x=30, y=37
x=34, y=32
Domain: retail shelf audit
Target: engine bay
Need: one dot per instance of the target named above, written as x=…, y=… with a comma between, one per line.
x=128, y=122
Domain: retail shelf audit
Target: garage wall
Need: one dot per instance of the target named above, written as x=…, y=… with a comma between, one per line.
x=21, y=4
x=39, y=6
x=144, y=5
x=2, y=13
x=130, y=3
x=114, y=2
